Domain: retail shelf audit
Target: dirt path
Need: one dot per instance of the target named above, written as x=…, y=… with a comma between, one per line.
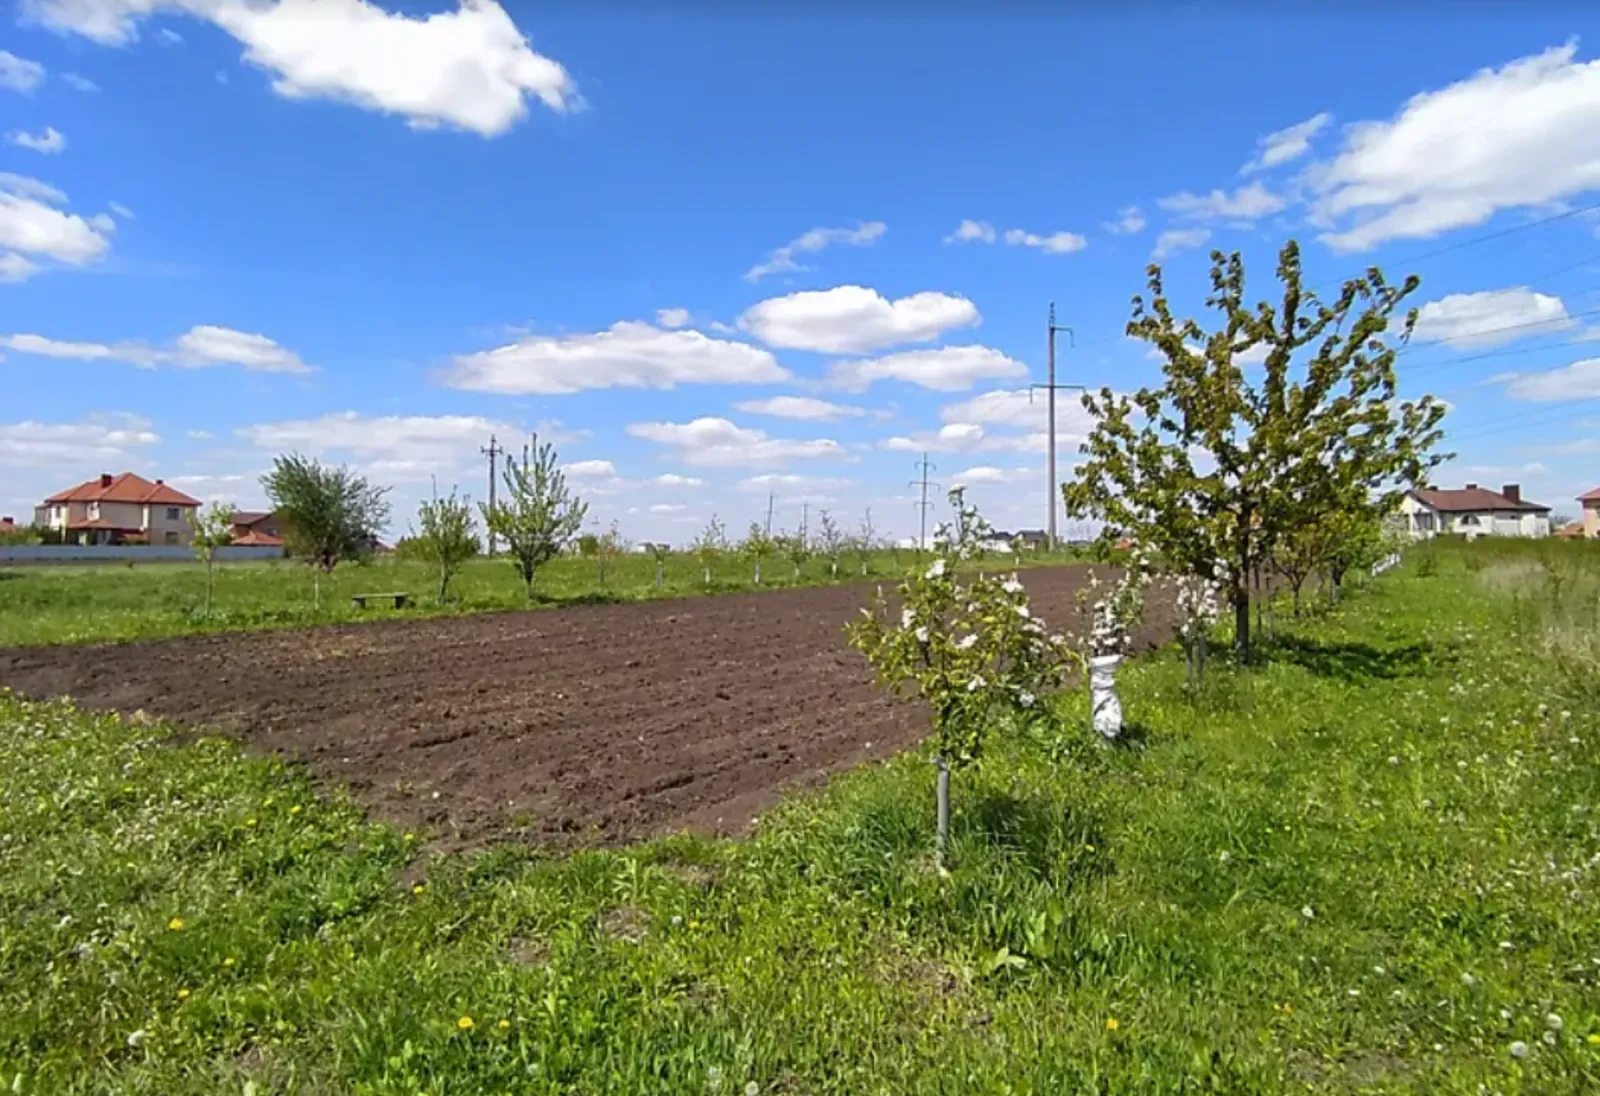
x=578, y=725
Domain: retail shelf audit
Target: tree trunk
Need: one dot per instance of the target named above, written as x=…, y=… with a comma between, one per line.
x=316, y=588
x=444, y=582
x=941, y=831
x=209, y=585
x=1241, y=621
x=833, y=568
x=1295, y=585
x=658, y=574
x=527, y=581
x=707, y=570
x=758, y=572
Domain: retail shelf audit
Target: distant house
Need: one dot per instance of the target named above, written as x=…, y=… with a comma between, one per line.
x=1590, y=501
x=1473, y=511
x=8, y=525
x=119, y=510
x=257, y=529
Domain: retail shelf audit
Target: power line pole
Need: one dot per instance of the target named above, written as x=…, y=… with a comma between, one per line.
x=805, y=518
x=924, y=466
x=770, y=496
x=1051, y=327
x=492, y=451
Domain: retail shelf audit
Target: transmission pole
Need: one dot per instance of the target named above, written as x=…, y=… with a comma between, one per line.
x=805, y=519
x=492, y=451
x=924, y=466
x=1051, y=327
x=770, y=496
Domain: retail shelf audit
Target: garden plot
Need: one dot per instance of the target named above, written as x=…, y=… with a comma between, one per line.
x=593, y=724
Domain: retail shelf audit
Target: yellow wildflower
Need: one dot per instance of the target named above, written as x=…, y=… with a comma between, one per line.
x=465, y=1023
x=183, y=994
x=1594, y=1040
x=1112, y=1024
x=504, y=1025
x=175, y=925
x=419, y=888
x=229, y=961
x=295, y=809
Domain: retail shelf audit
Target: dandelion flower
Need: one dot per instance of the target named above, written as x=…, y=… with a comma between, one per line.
x=751, y=1089
x=465, y=1023
x=229, y=961
x=295, y=809
x=1594, y=1039
x=1467, y=979
x=504, y=1025
x=419, y=888
x=1307, y=912
x=175, y=925
x=1112, y=1024
x=183, y=994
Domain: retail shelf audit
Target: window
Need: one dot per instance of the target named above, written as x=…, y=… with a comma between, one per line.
x=1471, y=519
x=172, y=538
x=172, y=513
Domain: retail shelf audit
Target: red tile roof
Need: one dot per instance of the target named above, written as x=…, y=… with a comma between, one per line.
x=1472, y=498
x=102, y=523
x=127, y=487
x=255, y=539
x=250, y=517
x=1590, y=496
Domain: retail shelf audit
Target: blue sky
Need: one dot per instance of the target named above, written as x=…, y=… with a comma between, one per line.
x=717, y=255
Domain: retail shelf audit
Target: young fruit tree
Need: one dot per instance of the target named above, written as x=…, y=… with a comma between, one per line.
x=831, y=541
x=1198, y=603
x=329, y=514
x=659, y=551
x=607, y=547
x=974, y=652
x=1215, y=465
x=757, y=546
x=536, y=516
x=866, y=539
x=797, y=547
x=445, y=537
x=211, y=528
x=710, y=546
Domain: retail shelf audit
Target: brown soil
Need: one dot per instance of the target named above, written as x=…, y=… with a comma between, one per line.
x=600, y=723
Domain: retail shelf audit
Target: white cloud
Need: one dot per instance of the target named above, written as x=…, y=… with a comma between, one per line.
x=672, y=317
x=972, y=231
x=667, y=508
x=410, y=448
x=988, y=473
x=34, y=227
x=804, y=408
x=121, y=210
x=943, y=369
x=16, y=268
x=470, y=68
x=230, y=487
x=1248, y=203
x=854, y=319
x=79, y=83
x=198, y=435
x=772, y=481
x=50, y=141
x=19, y=73
x=1057, y=243
x=25, y=187
x=169, y=36
x=1289, y=143
x=106, y=438
x=589, y=469
x=672, y=479
x=1518, y=136
x=629, y=354
x=1177, y=239
x=1004, y=407
x=1474, y=320
x=1578, y=381
x=717, y=443
x=955, y=437
x=201, y=346
x=1130, y=219
x=782, y=260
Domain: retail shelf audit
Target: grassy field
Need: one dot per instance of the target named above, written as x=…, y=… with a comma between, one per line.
x=108, y=602
x=1369, y=864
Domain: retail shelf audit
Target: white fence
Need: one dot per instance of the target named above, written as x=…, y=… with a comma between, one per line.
x=125, y=553
x=1384, y=564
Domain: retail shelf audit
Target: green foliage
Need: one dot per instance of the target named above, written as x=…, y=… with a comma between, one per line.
x=445, y=539
x=329, y=514
x=865, y=542
x=607, y=547
x=22, y=534
x=537, y=516
x=830, y=541
x=757, y=546
x=210, y=529
x=1367, y=868
x=710, y=546
x=1213, y=467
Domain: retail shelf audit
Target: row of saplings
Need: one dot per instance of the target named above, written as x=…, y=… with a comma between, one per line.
x=1274, y=444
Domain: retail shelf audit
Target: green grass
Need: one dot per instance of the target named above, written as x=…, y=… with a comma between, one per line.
x=1368, y=865
x=95, y=603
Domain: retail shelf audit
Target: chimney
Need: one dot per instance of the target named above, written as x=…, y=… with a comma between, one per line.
x=1472, y=487
x=105, y=479
x=159, y=482
x=1512, y=491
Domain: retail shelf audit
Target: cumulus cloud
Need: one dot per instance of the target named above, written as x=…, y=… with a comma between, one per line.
x=590, y=469
x=988, y=473
x=1491, y=318
x=672, y=317
x=16, y=268
x=401, y=447
x=1130, y=219
x=629, y=354
x=1504, y=138
x=470, y=68
x=711, y=442
x=782, y=260
x=31, y=225
x=1248, y=203
x=982, y=232
x=201, y=346
x=955, y=437
x=972, y=232
x=1174, y=240
x=1578, y=381
x=1289, y=143
x=19, y=73
x=943, y=369
x=804, y=408
x=104, y=438
x=49, y=141
x=672, y=479
x=79, y=83
x=854, y=319
x=788, y=481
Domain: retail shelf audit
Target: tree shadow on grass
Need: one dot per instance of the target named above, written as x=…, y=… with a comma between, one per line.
x=1351, y=661
x=1031, y=832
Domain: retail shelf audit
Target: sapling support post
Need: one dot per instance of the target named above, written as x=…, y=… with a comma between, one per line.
x=942, y=797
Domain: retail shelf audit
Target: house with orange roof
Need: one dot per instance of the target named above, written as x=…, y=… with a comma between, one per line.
x=1590, y=501
x=257, y=529
x=1474, y=511
x=124, y=509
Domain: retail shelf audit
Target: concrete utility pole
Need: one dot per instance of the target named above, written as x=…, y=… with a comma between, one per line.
x=924, y=466
x=1051, y=327
x=492, y=451
x=770, y=496
x=805, y=518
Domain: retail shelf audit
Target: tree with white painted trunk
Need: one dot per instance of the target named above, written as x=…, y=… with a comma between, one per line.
x=710, y=546
x=830, y=541
x=757, y=547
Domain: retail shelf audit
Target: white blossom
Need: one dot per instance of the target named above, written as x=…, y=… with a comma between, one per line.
x=937, y=570
x=1012, y=585
x=975, y=684
x=1025, y=698
x=921, y=634
x=907, y=618
x=967, y=642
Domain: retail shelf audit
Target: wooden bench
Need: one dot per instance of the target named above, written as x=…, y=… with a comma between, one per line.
x=399, y=600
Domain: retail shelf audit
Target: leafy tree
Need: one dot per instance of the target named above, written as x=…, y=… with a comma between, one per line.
x=797, y=547
x=975, y=653
x=537, y=516
x=446, y=539
x=757, y=546
x=329, y=514
x=210, y=529
x=608, y=546
x=866, y=540
x=1215, y=466
x=1355, y=539
x=710, y=545
x=831, y=541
